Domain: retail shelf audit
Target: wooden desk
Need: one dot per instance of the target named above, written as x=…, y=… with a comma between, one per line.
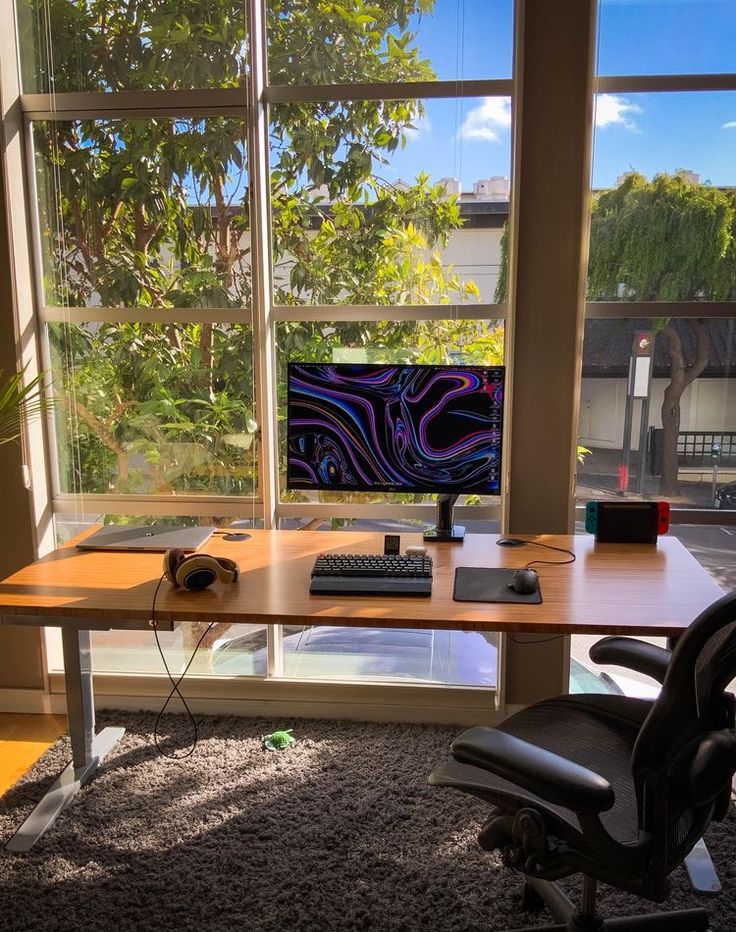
x=611, y=588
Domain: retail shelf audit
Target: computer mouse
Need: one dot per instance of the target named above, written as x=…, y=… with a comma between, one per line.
x=510, y=542
x=525, y=582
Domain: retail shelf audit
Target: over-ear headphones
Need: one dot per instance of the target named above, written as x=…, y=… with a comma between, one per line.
x=197, y=571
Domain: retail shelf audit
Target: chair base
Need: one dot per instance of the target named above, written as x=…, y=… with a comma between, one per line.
x=538, y=894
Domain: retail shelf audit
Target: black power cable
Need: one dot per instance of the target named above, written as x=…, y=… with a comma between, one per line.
x=518, y=542
x=174, y=685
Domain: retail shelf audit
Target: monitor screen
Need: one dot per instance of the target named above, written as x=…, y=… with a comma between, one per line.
x=387, y=428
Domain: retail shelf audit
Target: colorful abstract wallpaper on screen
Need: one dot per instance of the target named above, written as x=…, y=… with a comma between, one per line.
x=359, y=427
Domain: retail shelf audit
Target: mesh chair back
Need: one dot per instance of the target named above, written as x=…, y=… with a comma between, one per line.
x=685, y=754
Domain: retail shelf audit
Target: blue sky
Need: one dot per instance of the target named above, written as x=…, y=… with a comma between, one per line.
x=470, y=139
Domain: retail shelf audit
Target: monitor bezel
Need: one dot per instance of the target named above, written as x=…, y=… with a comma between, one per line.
x=386, y=489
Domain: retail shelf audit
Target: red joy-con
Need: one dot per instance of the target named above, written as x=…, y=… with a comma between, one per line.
x=663, y=517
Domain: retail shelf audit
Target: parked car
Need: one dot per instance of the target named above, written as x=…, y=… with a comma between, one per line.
x=726, y=496
x=331, y=652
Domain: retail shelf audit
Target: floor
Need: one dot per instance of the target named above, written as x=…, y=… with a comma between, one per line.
x=23, y=739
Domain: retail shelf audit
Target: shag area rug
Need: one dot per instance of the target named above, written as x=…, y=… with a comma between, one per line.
x=338, y=833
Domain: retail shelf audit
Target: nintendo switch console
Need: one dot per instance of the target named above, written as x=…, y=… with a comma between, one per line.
x=627, y=522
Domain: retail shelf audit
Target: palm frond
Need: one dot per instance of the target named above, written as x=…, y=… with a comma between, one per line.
x=20, y=403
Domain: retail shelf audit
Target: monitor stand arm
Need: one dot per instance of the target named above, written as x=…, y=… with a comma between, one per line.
x=445, y=529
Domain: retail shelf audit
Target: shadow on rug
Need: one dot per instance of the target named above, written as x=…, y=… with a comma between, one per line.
x=338, y=833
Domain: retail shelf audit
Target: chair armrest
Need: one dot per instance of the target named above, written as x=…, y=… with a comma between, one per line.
x=543, y=773
x=634, y=655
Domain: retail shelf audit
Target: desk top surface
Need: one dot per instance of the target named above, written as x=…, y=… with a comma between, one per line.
x=611, y=588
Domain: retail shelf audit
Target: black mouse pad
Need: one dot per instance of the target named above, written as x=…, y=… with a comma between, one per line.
x=478, y=584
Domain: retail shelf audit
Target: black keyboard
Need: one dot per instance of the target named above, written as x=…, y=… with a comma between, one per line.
x=371, y=574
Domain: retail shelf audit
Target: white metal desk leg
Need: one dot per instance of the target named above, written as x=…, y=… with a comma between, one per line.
x=88, y=749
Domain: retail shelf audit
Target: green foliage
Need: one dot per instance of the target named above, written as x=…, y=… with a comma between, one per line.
x=19, y=403
x=662, y=240
x=672, y=240
x=668, y=239
x=155, y=214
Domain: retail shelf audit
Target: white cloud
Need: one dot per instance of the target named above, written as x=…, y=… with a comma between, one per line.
x=610, y=110
x=730, y=125
x=487, y=119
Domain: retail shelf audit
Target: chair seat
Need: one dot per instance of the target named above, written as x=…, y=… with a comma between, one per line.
x=596, y=731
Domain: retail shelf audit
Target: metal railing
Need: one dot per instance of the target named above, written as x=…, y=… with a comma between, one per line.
x=695, y=448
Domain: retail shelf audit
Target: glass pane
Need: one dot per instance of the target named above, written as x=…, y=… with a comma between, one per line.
x=310, y=42
x=673, y=434
x=150, y=213
x=658, y=403
x=691, y=135
x=227, y=648
x=473, y=342
x=154, y=408
x=458, y=658
x=589, y=677
x=126, y=45
x=389, y=202
x=666, y=36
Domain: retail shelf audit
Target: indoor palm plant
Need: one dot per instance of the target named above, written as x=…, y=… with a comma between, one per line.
x=19, y=403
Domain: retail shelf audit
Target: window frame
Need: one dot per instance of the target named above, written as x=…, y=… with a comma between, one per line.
x=250, y=103
x=634, y=84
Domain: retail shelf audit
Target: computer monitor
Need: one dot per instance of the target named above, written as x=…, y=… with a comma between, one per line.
x=396, y=428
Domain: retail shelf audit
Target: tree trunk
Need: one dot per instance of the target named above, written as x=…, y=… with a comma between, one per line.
x=668, y=484
x=681, y=375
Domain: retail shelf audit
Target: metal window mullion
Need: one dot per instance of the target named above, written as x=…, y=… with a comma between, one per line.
x=599, y=310
x=264, y=331
x=658, y=83
x=402, y=312
x=146, y=315
x=264, y=350
x=389, y=90
x=74, y=504
x=144, y=103
x=416, y=512
x=123, y=113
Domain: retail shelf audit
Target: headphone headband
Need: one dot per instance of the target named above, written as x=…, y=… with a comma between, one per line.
x=198, y=570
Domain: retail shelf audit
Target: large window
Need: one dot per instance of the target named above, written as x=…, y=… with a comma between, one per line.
x=658, y=392
x=217, y=187
x=201, y=218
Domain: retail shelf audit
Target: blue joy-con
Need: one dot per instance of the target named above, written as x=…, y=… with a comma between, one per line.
x=591, y=517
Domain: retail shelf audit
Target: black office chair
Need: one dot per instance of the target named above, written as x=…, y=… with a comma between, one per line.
x=652, y=661
x=614, y=788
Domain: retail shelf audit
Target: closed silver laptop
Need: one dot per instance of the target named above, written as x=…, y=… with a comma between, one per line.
x=153, y=537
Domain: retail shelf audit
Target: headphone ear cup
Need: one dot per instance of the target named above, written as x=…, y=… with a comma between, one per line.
x=196, y=574
x=197, y=571
x=229, y=570
x=172, y=560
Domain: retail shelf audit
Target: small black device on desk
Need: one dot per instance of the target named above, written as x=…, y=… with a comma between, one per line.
x=371, y=574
